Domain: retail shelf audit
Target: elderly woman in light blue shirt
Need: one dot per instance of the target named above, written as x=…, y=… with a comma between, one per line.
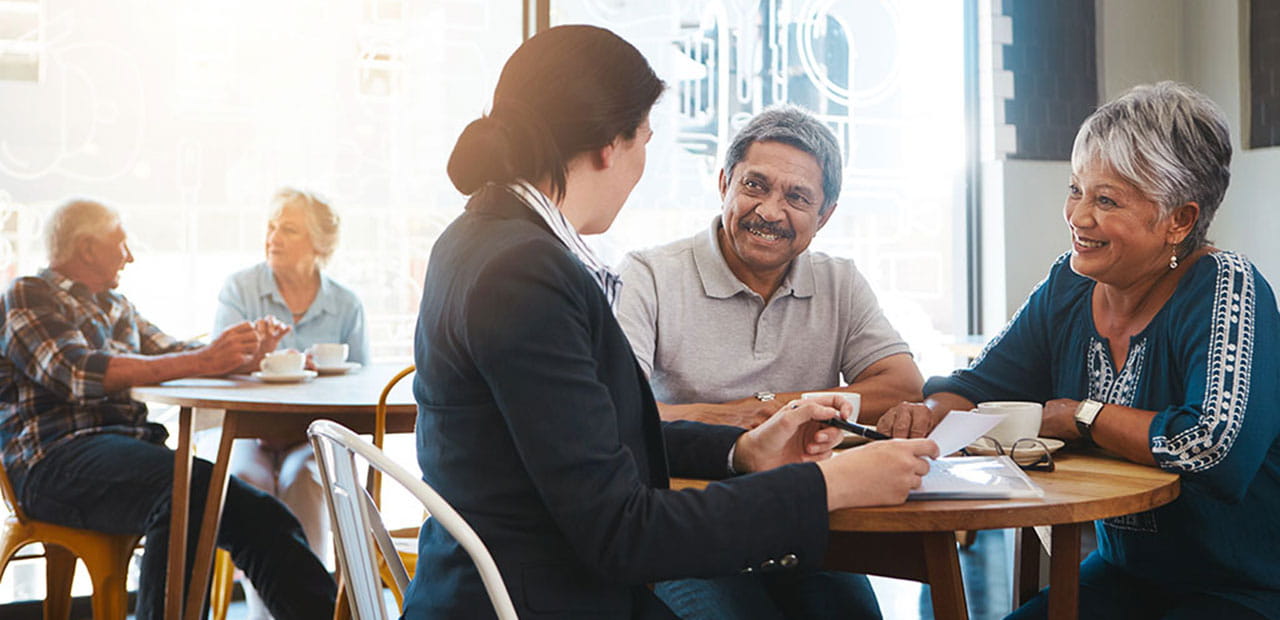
x=302, y=234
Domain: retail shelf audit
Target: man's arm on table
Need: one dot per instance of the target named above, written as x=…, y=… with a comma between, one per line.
x=883, y=384
x=236, y=349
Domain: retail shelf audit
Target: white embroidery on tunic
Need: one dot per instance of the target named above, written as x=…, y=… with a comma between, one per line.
x=1107, y=387
x=1230, y=362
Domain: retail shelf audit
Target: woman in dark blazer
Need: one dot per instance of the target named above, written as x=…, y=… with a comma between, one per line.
x=534, y=419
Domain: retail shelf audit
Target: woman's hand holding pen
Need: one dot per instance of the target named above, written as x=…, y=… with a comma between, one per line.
x=795, y=434
x=879, y=473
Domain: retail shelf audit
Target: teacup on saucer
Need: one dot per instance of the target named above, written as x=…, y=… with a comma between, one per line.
x=338, y=369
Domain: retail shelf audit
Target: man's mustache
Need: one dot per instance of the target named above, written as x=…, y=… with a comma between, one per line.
x=759, y=225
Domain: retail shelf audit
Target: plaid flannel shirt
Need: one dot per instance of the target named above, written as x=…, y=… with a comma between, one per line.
x=57, y=338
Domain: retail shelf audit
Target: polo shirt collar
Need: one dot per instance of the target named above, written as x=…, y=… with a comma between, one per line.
x=718, y=280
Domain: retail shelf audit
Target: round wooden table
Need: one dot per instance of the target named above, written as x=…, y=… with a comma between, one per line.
x=245, y=407
x=917, y=541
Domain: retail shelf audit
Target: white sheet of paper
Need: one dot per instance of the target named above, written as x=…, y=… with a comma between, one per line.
x=961, y=428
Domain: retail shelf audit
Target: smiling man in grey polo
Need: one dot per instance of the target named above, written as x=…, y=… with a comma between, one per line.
x=734, y=322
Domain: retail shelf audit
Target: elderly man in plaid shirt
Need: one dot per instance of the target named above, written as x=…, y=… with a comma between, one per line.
x=81, y=453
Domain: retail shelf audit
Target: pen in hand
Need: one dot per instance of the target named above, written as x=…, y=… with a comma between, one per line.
x=856, y=429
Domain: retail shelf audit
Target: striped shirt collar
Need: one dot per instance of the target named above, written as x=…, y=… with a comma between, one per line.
x=610, y=282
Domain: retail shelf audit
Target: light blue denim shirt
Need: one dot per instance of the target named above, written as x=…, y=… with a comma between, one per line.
x=336, y=315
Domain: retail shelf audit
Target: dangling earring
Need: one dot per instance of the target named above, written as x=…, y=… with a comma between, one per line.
x=1173, y=260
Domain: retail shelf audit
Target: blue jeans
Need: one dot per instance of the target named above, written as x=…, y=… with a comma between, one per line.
x=1109, y=593
x=120, y=485
x=807, y=595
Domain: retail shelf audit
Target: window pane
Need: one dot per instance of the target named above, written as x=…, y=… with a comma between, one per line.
x=187, y=116
x=887, y=76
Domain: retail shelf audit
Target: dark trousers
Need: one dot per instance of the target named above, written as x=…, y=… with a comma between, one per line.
x=807, y=595
x=1108, y=593
x=120, y=485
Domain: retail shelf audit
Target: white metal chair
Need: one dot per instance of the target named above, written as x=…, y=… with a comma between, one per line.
x=360, y=536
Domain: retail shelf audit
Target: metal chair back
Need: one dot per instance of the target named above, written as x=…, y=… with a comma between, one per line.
x=361, y=537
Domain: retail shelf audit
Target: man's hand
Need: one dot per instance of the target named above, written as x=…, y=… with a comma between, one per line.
x=747, y=412
x=232, y=350
x=1059, y=419
x=905, y=420
x=794, y=435
x=270, y=331
x=917, y=419
x=880, y=473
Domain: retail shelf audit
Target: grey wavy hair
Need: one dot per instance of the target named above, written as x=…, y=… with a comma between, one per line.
x=72, y=221
x=791, y=125
x=322, y=221
x=1169, y=141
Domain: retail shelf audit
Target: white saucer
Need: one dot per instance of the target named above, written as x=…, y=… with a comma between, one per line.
x=340, y=369
x=983, y=448
x=285, y=377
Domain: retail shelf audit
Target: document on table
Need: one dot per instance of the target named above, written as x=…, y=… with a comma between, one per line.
x=975, y=477
x=980, y=477
x=961, y=428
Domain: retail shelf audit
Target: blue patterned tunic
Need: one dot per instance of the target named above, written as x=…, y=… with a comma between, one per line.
x=1208, y=365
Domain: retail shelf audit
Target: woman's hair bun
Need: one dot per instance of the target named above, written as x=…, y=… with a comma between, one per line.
x=480, y=155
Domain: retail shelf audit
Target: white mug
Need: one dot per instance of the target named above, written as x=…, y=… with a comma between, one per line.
x=1022, y=419
x=282, y=362
x=329, y=354
x=854, y=399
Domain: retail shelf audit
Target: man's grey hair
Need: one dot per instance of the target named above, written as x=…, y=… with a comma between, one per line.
x=1168, y=140
x=793, y=126
x=72, y=221
x=322, y=222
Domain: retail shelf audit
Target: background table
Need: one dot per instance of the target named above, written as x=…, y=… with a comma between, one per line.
x=245, y=407
x=916, y=540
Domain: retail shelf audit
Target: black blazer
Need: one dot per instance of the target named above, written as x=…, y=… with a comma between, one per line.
x=536, y=423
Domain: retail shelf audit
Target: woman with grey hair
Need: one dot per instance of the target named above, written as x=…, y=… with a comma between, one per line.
x=1156, y=347
x=302, y=234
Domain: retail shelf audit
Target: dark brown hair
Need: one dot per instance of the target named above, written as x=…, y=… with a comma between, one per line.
x=567, y=90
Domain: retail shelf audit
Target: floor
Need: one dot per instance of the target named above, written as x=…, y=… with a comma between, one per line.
x=987, y=567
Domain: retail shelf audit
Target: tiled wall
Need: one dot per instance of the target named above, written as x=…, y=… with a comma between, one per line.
x=1055, y=78
x=1264, y=73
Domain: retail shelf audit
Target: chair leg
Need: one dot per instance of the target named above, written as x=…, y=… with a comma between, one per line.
x=223, y=582
x=342, y=608
x=109, y=572
x=59, y=571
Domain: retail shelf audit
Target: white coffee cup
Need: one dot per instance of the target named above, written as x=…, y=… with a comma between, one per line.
x=282, y=362
x=329, y=354
x=1021, y=419
x=854, y=398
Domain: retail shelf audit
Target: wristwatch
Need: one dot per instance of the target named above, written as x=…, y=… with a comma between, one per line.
x=765, y=396
x=1086, y=413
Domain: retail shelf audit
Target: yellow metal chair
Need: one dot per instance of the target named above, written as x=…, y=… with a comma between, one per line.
x=105, y=555
x=224, y=580
x=405, y=539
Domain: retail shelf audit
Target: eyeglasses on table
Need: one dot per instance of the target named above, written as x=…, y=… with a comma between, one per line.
x=1028, y=453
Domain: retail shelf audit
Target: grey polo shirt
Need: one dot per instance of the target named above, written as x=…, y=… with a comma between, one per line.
x=704, y=336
